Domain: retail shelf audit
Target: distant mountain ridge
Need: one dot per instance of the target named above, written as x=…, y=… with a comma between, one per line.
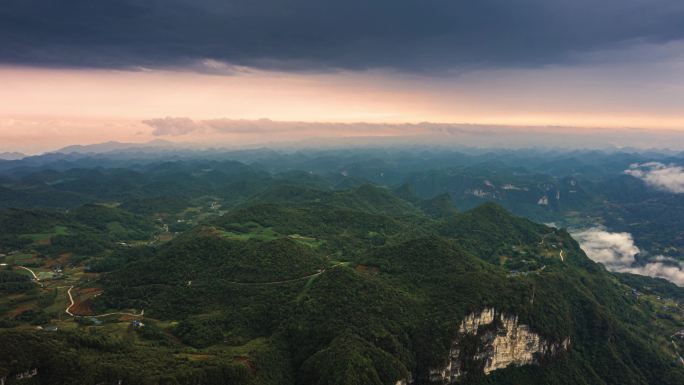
x=116, y=146
x=11, y=155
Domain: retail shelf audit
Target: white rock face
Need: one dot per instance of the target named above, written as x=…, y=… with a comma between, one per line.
x=508, y=343
x=478, y=193
x=473, y=321
x=403, y=381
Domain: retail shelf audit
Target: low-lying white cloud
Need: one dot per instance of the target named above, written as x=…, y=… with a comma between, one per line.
x=667, y=177
x=611, y=249
x=617, y=251
x=673, y=273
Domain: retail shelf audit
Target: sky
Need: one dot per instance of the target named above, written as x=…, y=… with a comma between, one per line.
x=77, y=71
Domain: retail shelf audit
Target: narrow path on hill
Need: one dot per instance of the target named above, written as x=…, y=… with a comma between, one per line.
x=30, y=271
x=35, y=277
x=679, y=357
x=71, y=299
x=142, y=313
x=543, y=237
x=287, y=280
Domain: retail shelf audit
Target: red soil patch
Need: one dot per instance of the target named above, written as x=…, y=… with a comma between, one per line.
x=89, y=276
x=61, y=260
x=210, y=231
x=165, y=237
x=244, y=360
x=82, y=308
x=367, y=269
x=88, y=291
x=83, y=301
x=32, y=261
x=127, y=318
x=19, y=309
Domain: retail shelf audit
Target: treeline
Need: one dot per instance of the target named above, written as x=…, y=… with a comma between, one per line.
x=66, y=358
x=13, y=282
x=89, y=229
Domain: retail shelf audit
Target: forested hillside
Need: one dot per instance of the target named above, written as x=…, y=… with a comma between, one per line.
x=221, y=272
x=301, y=283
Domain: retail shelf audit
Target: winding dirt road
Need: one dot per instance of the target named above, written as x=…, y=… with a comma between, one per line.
x=30, y=271
x=543, y=238
x=72, y=302
x=679, y=357
x=71, y=299
x=287, y=280
x=142, y=312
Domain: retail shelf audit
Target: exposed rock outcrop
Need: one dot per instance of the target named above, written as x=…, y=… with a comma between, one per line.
x=490, y=340
x=25, y=375
x=405, y=381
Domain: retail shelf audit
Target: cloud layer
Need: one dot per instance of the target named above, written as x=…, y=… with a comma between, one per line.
x=271, y=131
x=175, y=126
x=666, y=177
x=312, y=34
x=617, y=251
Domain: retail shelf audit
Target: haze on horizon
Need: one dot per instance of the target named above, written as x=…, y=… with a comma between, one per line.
x=207, y=72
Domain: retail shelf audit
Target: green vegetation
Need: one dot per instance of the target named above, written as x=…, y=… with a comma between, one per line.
x=217, y=272
x=58, y=230
x=13, y=282
x=224, y=285
x=86, y=230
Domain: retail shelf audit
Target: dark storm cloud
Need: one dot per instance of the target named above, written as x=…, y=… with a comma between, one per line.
x=322, y=35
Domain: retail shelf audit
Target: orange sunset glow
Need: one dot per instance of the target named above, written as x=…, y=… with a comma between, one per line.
x=88, y=106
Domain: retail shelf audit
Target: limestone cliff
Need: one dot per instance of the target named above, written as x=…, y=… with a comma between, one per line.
x=489, y=340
